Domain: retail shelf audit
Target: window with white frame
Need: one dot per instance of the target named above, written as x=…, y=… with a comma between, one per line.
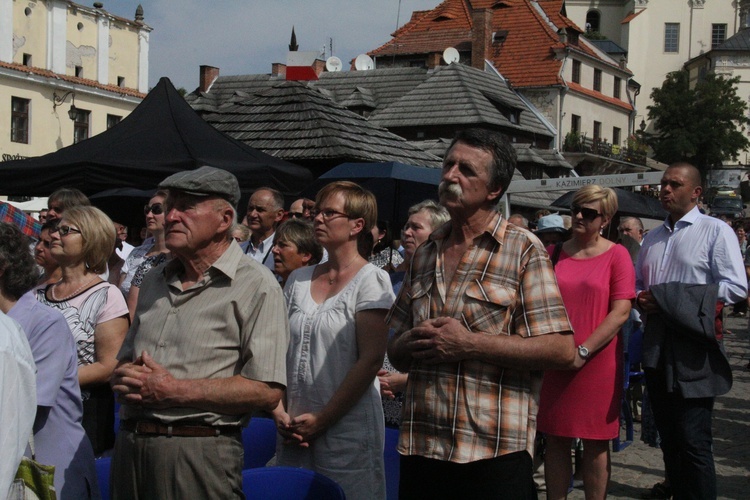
x=19, y=120
x=671, y=37
x=718, y=34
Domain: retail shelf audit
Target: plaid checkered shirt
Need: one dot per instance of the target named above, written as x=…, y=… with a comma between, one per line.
x=504, y=285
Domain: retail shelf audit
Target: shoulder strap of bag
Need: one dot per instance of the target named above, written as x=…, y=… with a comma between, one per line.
x=556, y=253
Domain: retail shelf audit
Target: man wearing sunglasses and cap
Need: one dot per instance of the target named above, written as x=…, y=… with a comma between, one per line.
x=207, y=347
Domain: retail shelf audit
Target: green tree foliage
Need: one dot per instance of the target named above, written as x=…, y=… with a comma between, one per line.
x=704, y=125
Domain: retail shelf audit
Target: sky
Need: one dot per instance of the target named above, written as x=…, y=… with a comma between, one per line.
x=246, y=36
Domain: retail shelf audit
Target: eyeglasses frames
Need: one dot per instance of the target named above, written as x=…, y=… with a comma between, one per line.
x=156, y=209
x=296, y=215
x=64, y=230
x=328, y=214
x=587, y=213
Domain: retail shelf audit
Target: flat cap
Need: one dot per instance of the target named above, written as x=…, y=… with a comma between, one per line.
x=205, y=181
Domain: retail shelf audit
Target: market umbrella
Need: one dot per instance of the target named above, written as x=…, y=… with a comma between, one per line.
x=26, y=223
x=628, y=203
x=396, y=186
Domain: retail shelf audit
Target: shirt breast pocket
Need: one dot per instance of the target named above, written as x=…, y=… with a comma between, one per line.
x=487, y=306
x=420, y=301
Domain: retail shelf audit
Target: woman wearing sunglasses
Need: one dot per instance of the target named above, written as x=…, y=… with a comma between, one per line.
x=95, y=311
x=597, y=284
x=157, y=254
x=138, y=254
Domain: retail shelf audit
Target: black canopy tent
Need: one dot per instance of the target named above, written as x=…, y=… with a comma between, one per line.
x=163, y=135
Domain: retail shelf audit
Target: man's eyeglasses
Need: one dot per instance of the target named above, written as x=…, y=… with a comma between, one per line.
x=156, y=209
x=64, y=230
x=328, y=214
x=296, y=215
x=587, y=213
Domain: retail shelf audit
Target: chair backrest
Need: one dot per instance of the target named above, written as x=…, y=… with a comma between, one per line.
x=284, y=483
x=635, y=346
x=392, y=462
x=102, y=475
x=259, y=442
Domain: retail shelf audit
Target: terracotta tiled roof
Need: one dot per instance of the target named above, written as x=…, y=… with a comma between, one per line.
x=72, y=79
x=598, y=95
x=631, y=16
x=526, y=57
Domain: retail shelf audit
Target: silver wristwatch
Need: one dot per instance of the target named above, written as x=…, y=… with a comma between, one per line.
x=583, y=352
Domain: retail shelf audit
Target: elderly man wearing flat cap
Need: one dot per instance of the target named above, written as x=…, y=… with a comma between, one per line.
x=207, y=347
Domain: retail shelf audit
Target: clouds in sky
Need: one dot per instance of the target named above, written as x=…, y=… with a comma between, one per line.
x=247, y=36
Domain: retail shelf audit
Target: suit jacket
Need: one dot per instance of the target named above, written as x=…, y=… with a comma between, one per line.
x=681, y=340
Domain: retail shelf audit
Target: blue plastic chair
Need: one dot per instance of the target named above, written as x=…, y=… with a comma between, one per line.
x=289, y=483
x=632, y=357
x=259, y=442
x=392, y=463
x=102, y=475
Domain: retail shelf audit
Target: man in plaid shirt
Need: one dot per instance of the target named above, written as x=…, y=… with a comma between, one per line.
x=477, y=320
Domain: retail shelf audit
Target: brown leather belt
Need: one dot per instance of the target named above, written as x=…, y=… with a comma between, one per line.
x=151, y=428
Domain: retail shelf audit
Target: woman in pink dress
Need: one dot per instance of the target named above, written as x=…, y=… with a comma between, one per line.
x=597, y=283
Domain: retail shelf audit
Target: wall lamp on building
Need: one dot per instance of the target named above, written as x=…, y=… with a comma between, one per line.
x=59, y=100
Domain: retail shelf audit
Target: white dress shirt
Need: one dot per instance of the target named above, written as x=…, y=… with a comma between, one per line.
x=699, y=250
x=261, y=253
x=17, y=398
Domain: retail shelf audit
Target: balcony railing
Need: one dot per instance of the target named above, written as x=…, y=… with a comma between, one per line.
x=605, y=149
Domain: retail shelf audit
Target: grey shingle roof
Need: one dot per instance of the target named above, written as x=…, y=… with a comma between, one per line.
x=460, y=95
x=608, y=46
x=740, y=41
x=293, y=121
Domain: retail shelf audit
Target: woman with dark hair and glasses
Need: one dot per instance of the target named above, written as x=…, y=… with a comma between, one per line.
x=51, y=272
x=94, y=309
x=331, y=418
x=597, y=284
x=157, y=254
x=154, y=207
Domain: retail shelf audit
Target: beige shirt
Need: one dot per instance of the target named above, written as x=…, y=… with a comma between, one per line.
x=233, y=321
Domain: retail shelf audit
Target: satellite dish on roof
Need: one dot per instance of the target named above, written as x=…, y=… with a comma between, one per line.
x=333, y=64
x=363, y=62
x=451, y=55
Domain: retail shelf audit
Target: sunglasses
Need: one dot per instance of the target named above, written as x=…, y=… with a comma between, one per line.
x=64, y=230
x=156, y=209
x=587, y=213
x=296, y=215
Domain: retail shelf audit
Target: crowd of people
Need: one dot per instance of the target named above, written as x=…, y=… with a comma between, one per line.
x=472, y=333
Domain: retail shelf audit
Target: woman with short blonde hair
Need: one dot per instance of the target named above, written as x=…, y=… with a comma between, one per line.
x=97, y=315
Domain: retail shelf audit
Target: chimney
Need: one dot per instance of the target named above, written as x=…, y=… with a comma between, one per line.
x=433, y=60
x=278, y=69
x=481, y=36
x=319, y=66
x=208, y=75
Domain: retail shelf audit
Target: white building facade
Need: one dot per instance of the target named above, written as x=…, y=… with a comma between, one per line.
x=56, y=55
x=660, y=36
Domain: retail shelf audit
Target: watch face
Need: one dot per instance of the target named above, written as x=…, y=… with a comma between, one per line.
x=583, y=352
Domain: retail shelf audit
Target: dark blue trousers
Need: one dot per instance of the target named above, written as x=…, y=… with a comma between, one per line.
x=684, y=425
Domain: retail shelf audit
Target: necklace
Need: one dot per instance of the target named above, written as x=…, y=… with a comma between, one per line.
x=332, y=280
x=54, y=297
